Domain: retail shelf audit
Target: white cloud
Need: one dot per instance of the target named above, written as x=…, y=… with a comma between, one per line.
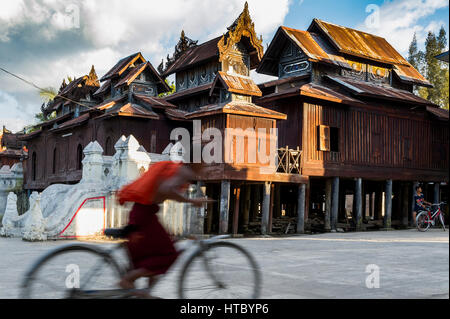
x=400, y=19
x=12, y=117
x=46, y=40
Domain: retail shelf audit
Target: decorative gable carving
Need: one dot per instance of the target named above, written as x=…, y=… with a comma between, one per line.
x=229, y=43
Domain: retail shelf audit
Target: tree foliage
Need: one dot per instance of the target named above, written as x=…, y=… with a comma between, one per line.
x=434, y=70
x=172, y=89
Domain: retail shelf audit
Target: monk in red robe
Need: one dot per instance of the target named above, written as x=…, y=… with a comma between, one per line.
x=150, y=247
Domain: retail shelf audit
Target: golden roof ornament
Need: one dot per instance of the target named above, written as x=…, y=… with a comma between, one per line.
x=92, y=79
x=243, y=26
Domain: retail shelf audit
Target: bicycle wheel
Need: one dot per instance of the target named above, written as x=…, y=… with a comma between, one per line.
x=423, y=221
x=220, y=270
x=66, y=270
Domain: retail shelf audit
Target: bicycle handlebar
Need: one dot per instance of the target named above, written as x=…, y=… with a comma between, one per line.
x=441, y=203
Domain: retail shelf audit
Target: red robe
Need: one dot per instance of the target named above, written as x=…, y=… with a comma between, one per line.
x=149, y=245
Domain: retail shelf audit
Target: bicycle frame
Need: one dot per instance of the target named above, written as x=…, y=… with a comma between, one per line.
x=434, y=215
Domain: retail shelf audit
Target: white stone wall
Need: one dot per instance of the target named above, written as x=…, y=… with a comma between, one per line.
x=84, y=209
x=11, y=179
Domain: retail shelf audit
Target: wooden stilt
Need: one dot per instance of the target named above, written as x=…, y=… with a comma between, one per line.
x=405, y=204
x=236, y=211
x=388, y=205
x=224, y=207
x=358, y=203
x=328, y=195
x=265, y=208
x=334, y=204
x=301, y=209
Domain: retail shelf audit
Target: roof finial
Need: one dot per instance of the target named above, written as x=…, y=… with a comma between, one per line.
x=92, y=78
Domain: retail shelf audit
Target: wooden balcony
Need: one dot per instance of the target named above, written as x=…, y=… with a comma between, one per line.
x=288, y=160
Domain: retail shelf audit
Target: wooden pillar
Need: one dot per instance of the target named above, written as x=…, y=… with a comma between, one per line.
x=388, y=205
x=334, y=203
x=257, y=200
x=301, y=209
x=246, y=212
x=405, y=204
x=328, y=195
x=277, y=201
x=236, y=211
x=358, y=203
x=265, y=208
x=341, y=213
x=272, y=195
x=412, y=220
x=209, y=210
x=378, y=202
x=224, y=207
x=436, y=194
x=371, y=205
x=307, y=199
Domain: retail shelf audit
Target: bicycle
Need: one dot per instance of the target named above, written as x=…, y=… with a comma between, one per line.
x=203, y=274
x=426, y=218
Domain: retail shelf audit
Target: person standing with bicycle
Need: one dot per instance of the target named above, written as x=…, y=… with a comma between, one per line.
x=419, y=202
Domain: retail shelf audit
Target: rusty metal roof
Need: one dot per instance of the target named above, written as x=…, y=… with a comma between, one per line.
x=312, y=49
x=188, y=92
x=442, y=114
x=236, y=84
x=195, y=55
x=153, y=101
x=103, y=89
x=359, y=43
x=122, y=65
x=329, y=43
x=366, y=89
x=131, y=75
x=73, y=122
x=410, y=75
x=237, y=107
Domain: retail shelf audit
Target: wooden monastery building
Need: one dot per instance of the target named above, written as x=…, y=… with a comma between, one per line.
x=352, y=137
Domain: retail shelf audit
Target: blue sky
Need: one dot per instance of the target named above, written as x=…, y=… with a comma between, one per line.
x=47, y=40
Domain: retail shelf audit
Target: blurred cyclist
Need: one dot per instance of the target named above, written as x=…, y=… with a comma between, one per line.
x=150, y=247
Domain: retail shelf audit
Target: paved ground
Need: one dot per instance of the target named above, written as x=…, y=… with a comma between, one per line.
x=411, y=265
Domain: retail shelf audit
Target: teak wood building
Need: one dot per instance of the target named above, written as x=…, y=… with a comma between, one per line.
x=349, y=99
x=352, y=135
x=124, y=101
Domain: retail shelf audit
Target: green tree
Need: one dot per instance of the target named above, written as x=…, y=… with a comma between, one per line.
x=172, y=89
x=434, y=70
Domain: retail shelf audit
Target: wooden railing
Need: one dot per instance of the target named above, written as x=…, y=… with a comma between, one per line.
x=289, y=160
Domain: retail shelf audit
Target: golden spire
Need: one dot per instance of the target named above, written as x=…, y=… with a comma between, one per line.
x=243, y=26
x=92, y=79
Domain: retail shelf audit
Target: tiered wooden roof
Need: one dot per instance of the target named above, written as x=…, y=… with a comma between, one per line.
x=325, y=42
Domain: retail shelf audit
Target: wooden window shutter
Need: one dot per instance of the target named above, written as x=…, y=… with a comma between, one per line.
x=324, y=138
